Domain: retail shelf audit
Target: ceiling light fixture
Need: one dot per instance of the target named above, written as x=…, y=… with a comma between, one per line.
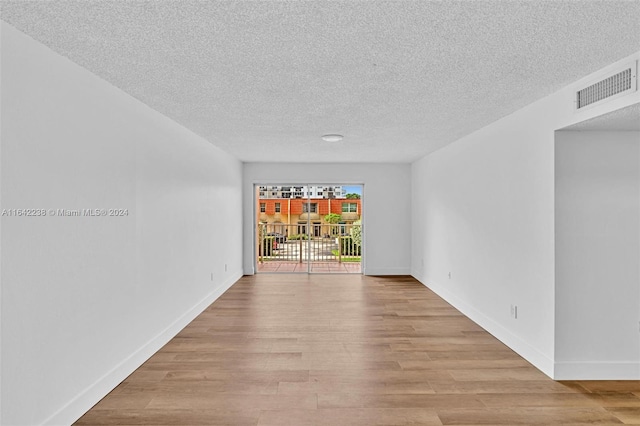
x=332, y=138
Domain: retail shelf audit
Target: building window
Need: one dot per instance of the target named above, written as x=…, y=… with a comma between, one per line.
x=310, y=208
x=277, y=207
x=263, y=207
x=349, y=207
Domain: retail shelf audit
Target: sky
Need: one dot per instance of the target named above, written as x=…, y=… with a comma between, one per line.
x=353, y=189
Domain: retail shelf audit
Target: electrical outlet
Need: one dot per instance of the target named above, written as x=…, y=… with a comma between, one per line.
x=212, y=276
x=514, y=311
x=225, y=267
x=449, y=275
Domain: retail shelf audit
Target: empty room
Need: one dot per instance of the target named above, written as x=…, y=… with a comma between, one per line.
x=319, y=212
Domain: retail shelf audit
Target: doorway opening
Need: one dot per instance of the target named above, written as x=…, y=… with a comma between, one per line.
x=304, y=228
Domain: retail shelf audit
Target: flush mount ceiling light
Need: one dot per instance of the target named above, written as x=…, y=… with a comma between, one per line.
x=332, y=138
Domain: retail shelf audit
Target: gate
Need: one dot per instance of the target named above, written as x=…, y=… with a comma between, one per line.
x=309, y=248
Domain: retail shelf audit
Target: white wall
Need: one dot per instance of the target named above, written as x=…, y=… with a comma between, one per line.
x=597, y=224
x=85, y=300
x=386, y=204
x=483, y=209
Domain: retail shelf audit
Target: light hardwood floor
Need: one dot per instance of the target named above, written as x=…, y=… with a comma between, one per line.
x=348, y=350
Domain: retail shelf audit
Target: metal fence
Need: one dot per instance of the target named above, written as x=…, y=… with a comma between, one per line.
x=309, y=242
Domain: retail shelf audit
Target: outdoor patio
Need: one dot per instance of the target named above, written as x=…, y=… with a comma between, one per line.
x=331, y=267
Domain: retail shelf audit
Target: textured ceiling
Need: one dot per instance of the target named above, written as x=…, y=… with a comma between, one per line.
x=264, y=80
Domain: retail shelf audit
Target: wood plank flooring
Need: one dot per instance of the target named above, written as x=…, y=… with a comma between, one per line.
x=348, y=350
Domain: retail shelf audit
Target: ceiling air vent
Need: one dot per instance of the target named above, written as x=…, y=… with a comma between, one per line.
x=621, y=82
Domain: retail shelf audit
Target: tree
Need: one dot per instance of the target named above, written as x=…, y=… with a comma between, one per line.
x=356, y=232
x=332, y=218
x=353, y=196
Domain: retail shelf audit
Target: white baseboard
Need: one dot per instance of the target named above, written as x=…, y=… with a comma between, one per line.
x=597, y=371
x=94, y=393
x=367, y=271
x=522, y=348
x=387, y=271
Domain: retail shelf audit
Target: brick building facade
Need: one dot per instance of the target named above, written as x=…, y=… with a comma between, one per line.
x=292, y=215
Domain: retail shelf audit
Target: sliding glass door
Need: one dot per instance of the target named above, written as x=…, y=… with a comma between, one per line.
x=306, y=228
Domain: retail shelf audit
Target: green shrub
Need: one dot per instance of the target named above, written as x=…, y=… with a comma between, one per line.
x=298, y=237
x=332, y=218
x=356, y=232
x=349, y=247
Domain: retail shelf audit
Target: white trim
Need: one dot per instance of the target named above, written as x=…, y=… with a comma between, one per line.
x=597, y=370
x=388, y=271
x=94, y=393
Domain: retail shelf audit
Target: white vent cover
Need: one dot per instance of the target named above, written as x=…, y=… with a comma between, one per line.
x=617, y=84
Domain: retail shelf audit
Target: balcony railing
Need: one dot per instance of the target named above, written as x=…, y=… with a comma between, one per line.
x=309, y=243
